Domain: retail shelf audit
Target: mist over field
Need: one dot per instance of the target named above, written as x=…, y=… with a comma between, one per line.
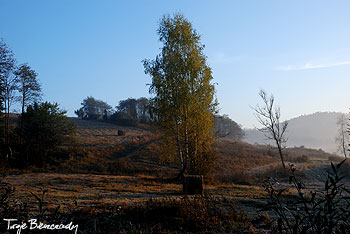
x=316, y=131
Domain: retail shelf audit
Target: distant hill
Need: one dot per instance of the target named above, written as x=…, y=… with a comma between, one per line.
x=317, y=131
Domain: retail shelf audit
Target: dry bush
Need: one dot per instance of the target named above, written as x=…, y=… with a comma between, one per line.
x=324, y=210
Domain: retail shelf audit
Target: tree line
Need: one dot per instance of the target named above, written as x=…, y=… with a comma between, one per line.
x=128, y=112
x=29, y=137
x=131, y=111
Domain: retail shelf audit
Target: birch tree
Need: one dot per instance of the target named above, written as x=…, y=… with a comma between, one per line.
x=183, y=103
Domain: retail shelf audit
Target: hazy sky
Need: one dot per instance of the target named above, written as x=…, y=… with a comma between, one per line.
x=297, y=50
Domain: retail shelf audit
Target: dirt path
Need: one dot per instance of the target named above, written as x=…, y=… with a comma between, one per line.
x=138, y=149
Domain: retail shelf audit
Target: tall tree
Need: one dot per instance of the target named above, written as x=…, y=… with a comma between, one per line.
x=183, y=102
x=8, y=84
x=269, y=116
x=29, y=86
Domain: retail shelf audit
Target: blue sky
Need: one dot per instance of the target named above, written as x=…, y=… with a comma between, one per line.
x=297, y=50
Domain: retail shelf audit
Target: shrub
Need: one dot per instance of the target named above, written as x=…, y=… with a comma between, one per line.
x=42, y=128
x=320, y=211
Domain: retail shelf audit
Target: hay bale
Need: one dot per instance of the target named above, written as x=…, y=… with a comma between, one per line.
x=121, y=132
x=192, y=184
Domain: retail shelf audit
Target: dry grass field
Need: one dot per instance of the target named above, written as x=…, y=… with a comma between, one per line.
x=88, y=189
x=101, y=174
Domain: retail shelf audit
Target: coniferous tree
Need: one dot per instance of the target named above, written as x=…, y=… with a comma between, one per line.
x=44, y=126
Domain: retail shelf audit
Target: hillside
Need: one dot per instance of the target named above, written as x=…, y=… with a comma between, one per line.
x=103, y=178
x=98, y=149
x=317, y=131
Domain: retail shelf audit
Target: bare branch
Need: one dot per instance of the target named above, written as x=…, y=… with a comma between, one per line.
x=269, y=116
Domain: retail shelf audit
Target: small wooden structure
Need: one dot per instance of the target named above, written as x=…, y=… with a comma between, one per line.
x=121, y=132
x=192, y=184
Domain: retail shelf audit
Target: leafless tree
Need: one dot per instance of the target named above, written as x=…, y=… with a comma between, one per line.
x=268, y=116
x=342, y=138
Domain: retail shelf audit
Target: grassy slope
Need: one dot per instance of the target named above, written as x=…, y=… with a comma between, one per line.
x=99, y=149
x=124, y=170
